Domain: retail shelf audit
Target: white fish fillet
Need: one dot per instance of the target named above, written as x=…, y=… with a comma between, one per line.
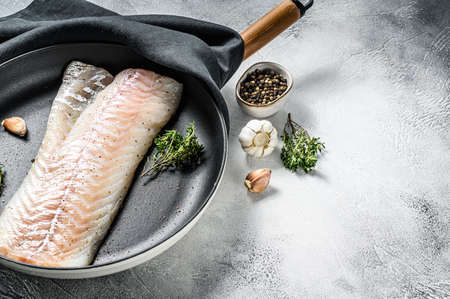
x=81, y=83
x=63, y=210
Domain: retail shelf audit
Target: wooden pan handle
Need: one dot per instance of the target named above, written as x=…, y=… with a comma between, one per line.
x=272, y=24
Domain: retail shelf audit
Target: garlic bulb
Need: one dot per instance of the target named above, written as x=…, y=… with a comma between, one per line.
x=258, y=138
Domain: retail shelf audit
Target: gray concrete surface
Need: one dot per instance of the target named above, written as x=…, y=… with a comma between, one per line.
x=372, y=79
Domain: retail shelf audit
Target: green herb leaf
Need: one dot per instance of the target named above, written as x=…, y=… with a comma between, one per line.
x=299, y=149
x=174, y=150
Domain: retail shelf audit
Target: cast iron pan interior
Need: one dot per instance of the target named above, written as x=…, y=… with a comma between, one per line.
x=151, y=213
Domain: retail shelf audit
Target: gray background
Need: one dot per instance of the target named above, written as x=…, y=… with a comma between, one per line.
x=372, y=79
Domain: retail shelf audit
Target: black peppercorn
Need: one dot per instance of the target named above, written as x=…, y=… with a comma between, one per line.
x=261, y=87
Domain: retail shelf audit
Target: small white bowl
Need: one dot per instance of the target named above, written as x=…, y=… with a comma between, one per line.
x=265, y=110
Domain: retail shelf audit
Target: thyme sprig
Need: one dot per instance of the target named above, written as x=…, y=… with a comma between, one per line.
x=299, y=148
x=174, y=150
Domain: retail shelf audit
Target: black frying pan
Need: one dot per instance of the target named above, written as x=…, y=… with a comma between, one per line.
x=158, y=212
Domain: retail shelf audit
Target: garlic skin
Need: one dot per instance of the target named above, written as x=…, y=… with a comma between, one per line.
x=15, y=125
x=258, y=138
x=258, y=180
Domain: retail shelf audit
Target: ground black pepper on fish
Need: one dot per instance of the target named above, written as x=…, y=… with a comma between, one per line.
x=261, y=87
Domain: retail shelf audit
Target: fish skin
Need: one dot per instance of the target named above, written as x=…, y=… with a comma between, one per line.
x=80, y=85
x=62, y=216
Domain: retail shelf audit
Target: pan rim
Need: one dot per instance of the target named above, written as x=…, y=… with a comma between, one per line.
x=133, y=260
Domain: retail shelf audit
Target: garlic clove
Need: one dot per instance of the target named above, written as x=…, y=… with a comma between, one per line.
x=258, y=180
x=273, y=138
x=246, y=137
x=254, y=125
x=15, y=125
x=258, y=152
x=268, y=150
x=266, y=126
x=254, y=151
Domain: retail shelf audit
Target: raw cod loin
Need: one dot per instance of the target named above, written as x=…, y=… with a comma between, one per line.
x=86, y=163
